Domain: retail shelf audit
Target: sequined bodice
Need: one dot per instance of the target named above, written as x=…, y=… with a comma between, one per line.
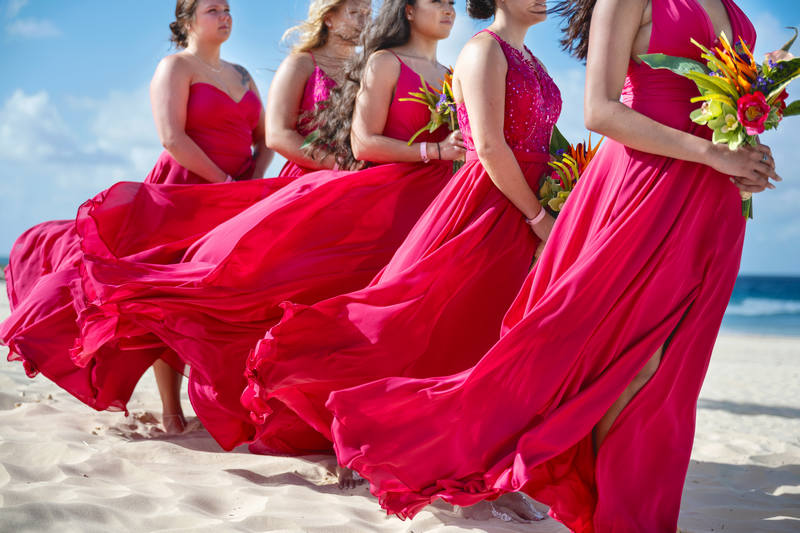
x=316, y=93
x=532, y=106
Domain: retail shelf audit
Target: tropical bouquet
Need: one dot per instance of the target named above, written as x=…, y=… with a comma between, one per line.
x=440, y=102
x=741, y=97
x=569, y=162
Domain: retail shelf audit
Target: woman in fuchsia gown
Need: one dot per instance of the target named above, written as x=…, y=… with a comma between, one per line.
x=303, y=82
x=326, y=233
x=209, y=117
x=438, y=304
x=587, y=402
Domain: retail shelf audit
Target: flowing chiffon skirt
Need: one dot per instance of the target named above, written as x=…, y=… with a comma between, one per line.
x=435, y=308
x=323, y=234
x=644, y=254
x=47, y=296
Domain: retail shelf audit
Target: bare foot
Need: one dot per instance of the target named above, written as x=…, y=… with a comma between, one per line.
x=174, y=424
x=510, y=507
x=516, y=507
x=348, y=479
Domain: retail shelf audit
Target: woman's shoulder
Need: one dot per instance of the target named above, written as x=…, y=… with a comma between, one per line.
x=383, y=63
x=482, y=48
x=303, y=61
x=175, y=66
x=177, y=61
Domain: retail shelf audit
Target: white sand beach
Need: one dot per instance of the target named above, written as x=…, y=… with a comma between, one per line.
x=65, y=467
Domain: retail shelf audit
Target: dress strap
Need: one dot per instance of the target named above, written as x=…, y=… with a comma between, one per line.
x=398, y=57
x=314, y=59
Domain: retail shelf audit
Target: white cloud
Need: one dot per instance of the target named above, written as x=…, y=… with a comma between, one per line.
x=14, y=7
x=33, y=28
x=31, y=128
x=121, y=142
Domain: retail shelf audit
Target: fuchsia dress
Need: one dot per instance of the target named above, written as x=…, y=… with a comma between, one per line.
x=644, y=254
x=222, y=128
x=43, y=275
x=325, y=233
x=317, y=91
x=438, y=304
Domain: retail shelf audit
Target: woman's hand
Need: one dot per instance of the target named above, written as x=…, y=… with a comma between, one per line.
x=452, y=147
x=751, y=167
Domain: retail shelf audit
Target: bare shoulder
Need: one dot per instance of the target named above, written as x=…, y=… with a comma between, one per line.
x=485, y=46
x=299, y=62
x=480, y=52
x=174, y=68
x=176, y=64
x=383, y=63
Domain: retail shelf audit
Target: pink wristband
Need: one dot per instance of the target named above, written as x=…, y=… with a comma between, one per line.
x=538, y=218
x=423, y=152
x=228, y=178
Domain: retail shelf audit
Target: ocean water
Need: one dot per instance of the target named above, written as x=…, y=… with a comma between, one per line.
x=768, y=305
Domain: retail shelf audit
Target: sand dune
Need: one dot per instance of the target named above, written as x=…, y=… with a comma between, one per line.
x=65, y=467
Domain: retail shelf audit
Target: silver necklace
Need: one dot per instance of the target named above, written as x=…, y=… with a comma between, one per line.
x=212, y=69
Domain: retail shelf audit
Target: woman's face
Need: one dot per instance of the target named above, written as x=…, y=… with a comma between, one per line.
x=349, y=20
x=212, y=22
x=432, y=18
x=529, y=12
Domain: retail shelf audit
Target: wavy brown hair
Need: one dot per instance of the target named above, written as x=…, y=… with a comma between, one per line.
x=577, y=15
x=312, y=32
x=389, y=29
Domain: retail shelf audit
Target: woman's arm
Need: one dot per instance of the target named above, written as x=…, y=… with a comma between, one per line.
x=371, y=112
x=481, y=80
x=283, y=111
x=169, y=94
x=262, y=155
x=615, y=24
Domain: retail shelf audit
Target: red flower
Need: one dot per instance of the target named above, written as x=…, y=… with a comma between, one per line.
x=753, y=112
x=781, y=101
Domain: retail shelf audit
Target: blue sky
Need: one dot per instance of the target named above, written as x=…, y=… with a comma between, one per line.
x=75, y=114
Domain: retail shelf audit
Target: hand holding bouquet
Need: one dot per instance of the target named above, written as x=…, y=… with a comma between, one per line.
x=441, y=104
x=741, y=98
x=569, y=163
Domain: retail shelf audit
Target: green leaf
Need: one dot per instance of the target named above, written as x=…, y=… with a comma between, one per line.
x=310, y=139
x=558, y=141
x=678, y=65
x=713, y=84
x=785, y=70
x=419, y=132
x=792, y=109
x=747, y=208
x=786, y=47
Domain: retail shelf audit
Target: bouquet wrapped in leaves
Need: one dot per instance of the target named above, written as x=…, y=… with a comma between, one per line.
x=740, y=97
x=441, y=104
x=569, y=163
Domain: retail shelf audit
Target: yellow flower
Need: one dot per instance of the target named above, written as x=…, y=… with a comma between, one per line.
x=731, y=123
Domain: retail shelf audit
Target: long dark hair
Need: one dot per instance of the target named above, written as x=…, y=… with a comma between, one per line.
x=577, y=15
x=389, y=29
